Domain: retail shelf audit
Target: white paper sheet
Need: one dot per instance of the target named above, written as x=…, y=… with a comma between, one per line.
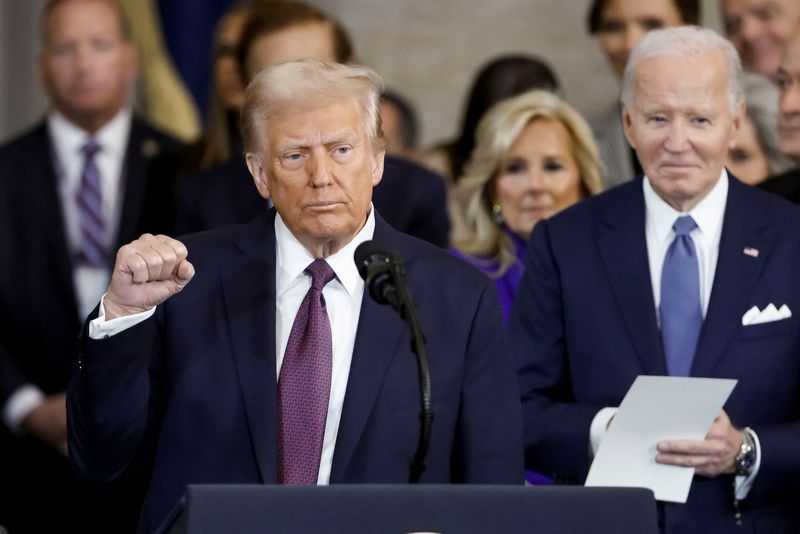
x=657, y=408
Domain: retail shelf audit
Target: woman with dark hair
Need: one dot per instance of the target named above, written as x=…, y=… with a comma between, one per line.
x=619, y=25
x=502, y=78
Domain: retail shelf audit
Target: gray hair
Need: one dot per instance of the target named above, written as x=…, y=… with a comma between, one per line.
x=307, y=82
x=761, y=99
x=683, y=41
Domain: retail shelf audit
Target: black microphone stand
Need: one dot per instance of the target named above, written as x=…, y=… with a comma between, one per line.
x=404, y=304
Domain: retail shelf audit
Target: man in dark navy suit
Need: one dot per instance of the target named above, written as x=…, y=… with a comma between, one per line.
x=409, y=197
x=202, y=375
x=685, y=271
x=90, y=157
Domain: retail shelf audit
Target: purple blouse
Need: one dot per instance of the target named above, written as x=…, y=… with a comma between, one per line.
x=506, y=284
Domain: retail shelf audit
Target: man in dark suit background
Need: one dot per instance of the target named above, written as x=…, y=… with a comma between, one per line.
x=410, y=198
x=53, y=264
x=675, y=273
x=788, y=80
x=197, y=374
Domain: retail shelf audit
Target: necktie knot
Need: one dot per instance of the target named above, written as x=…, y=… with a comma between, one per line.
x=321, y=273
x=90, y=148
x=684, y=225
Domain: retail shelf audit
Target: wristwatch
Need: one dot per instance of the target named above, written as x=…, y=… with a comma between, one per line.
x=746, y=459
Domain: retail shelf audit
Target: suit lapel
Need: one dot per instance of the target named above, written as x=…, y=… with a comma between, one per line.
x=249, y=293
x=380, y=331
x=735, y=277
x=40, y=161
x=623, y=249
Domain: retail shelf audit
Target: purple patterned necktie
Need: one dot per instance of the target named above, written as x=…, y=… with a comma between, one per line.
x=304, y=384
x=89, y=200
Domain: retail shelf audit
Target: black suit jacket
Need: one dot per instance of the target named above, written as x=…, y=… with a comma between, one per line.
x=194, y=386
x=786, y=185
x=409, y=197
x=39, y=322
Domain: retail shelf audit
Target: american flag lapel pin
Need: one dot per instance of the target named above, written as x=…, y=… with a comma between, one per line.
x=750, y=251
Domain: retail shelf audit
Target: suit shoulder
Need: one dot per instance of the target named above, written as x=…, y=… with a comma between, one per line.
x=778, y=208
x=33, y=137
x=396, y=168
x=147, y=131
x=437, y=263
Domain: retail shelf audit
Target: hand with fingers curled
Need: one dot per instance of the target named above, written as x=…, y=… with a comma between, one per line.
x=712, y=456
x=147, y=272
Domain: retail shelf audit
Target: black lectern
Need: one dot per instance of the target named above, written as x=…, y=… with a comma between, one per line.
x=449, y=509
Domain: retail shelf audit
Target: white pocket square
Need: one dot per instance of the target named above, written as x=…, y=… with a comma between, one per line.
x=767, y=315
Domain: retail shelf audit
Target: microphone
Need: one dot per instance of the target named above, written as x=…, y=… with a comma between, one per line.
x=384, y=276
x=376, y=266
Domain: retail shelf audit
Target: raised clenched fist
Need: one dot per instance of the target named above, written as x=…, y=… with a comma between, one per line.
x=147, y=272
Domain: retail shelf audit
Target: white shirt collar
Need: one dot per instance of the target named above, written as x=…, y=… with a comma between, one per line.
x=708, y=213
x=293, y=258
x=69, y=138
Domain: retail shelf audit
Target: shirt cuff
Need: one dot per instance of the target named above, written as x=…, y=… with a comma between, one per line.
x=599, y=426
x=99, y=328
x=744, y=483
x=22, y=402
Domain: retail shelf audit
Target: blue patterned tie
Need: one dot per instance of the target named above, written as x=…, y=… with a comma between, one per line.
x=89, y=200
x=680, y=310
x=305, y=383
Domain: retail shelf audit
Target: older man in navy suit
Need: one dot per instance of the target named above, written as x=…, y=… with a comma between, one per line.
x=271, y=365
x=685, y=271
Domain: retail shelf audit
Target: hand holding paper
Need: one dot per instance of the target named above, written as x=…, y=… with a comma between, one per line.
x=712, y=456
x=674, y=412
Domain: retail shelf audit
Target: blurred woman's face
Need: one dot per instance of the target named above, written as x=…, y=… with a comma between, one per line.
x=538, y=176
x=746, y=160
x=227, y=79
x=623, y=23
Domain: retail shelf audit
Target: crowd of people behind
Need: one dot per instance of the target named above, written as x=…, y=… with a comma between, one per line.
x=91, y=177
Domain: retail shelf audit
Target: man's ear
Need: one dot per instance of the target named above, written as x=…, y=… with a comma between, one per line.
x=627, y=125
x=377, y=167
x=255, y=164
x=738, y=117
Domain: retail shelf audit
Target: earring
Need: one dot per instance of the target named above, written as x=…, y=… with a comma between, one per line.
x=497, y=214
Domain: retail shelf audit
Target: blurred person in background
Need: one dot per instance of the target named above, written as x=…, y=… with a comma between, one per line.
x=72, y=189
x=619, y=25
x=221, y=138
x=787, y=79
x=400, y=125
x=501, y=78
x=534, y=156
x=756, y=154
x=760, y=29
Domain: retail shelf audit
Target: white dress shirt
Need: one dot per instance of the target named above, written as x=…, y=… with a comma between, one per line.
x=343, y=296
x=67, y=140
x=708, y=214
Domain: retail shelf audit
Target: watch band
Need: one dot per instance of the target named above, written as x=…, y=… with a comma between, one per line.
x=746, y=459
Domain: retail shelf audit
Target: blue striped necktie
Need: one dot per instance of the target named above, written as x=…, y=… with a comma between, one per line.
x=89, y=200
x=680, y=311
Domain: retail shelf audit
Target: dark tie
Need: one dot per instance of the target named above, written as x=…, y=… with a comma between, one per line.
x=681, y=313
x=89, y=200
x=304, y=384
